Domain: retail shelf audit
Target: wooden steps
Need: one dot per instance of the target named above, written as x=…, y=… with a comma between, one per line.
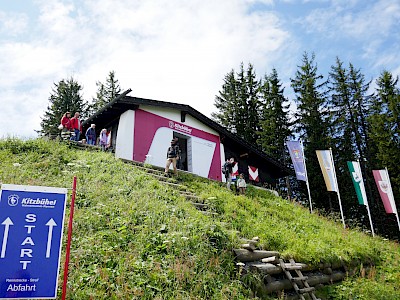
x=172, y=182
x=299, y=282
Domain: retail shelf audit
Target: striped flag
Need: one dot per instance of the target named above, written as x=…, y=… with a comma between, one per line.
x=385, y=190
x=235, y=169
x=356, y=176
x=325, y=162
x=253, y=174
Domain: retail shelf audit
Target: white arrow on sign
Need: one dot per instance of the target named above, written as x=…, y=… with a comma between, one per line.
x=51, y=224
x=7, y=223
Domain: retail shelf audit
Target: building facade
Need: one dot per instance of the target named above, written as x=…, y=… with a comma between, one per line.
x=142, y=130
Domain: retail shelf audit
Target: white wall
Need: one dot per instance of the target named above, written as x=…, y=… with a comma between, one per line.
x=202, y=155
x=124, y=142
x=223, y=159
x=199, y=153
x=157, y=155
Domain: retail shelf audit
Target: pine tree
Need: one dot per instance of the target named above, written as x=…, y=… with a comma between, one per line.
x=253, y=104
x=275, y=127
x=384, y=135
x=106, y=92
x=312, y=123
x=226, y=103
x=238, y=104
x=348, y=111
x=274, y=123
x=385, y=125
x=65, y=96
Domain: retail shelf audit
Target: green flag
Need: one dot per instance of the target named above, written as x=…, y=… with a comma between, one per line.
x=356, y=176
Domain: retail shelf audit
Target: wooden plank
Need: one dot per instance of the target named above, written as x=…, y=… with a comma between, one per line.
x=244, y=255
x=272, y=260
x=306, y=290
x=265, y=268
x=291, y=267
x=300, y=279
x=249, y=246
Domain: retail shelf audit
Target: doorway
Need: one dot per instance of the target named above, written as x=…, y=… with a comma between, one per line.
x=185, y=162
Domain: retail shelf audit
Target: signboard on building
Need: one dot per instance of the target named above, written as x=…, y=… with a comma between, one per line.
x=31, y=227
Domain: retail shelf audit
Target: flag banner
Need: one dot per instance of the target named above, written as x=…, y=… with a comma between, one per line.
x=356, y=176
x=325, y=162
x=385, y=190
x=296, y=153
x=235, y=169
x=253, y=174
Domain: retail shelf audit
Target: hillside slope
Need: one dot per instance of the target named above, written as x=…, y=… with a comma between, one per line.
x=135, y=238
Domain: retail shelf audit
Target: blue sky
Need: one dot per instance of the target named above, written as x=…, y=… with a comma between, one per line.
x=179, y=50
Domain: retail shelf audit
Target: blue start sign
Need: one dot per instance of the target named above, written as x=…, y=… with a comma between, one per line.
x=31, y=227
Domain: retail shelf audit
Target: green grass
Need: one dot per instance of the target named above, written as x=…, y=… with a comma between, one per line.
x=134, y=238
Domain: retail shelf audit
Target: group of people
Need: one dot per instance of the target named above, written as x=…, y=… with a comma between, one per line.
x=174, y=156
x=227, y=169
x=71, y=129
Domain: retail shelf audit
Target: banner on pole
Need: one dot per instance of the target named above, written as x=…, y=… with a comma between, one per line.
x=356, y=176
x=385, y=191
x=325, y=162
x=297, y=156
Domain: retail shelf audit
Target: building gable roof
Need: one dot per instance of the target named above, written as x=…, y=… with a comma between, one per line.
x=109, y=114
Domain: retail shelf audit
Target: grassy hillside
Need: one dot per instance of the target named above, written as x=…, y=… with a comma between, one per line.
x=135, y=238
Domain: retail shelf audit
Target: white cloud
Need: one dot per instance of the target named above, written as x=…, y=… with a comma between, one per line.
x=175, y=50
x=167, y=50
x=12, y=24
x=354, y=19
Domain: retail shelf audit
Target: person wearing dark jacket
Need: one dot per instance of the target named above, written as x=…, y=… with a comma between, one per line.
x=172, y=156
x=91, y=135
x=228, y=166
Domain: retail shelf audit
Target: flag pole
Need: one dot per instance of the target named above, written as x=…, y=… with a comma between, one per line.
x=337, y=188
x=305, y=170
x=366, y=203
x=394, y=203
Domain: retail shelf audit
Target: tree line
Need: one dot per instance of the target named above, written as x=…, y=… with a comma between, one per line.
x=339, y=112
x=66, y=95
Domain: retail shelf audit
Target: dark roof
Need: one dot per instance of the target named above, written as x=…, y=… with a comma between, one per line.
x=109, y=114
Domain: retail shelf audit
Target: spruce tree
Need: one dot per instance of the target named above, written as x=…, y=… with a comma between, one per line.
x=65, y=96
x=275, y=127
x=274, y=123
x=238, y=104
x=385, y=125
x=312, y=124
x=106, y=92
x=253, y=106
x=348, y=111
x=384, y=133
x=226, y=103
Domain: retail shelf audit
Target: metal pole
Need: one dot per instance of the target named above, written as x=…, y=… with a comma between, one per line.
x=366, y=201
x=305, y=170
x=289, y=192
x=67, y=255
x=337, y=188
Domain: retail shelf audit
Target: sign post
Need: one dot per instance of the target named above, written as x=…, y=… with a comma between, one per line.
x=31, y=227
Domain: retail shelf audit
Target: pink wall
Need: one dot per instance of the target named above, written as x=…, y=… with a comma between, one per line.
x=146, y=125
